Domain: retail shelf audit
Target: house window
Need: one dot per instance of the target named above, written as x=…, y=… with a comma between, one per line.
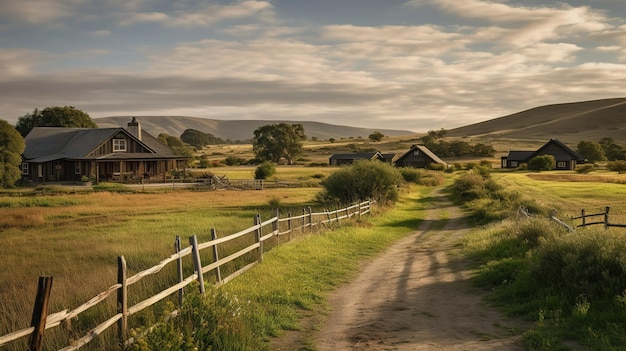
x=25, y=168
x=416, y=152
x=40, y=170
x=513, y=163
x=77, y=168
x=561, y=164
x=119, y=145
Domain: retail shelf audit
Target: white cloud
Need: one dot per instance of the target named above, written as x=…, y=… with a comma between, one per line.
x=42, y=12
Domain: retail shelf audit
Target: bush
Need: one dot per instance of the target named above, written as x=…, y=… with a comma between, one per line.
x=421, y=177
x=584, y=169
x=436, y=167
x=265, y=170
x=617, y=166
x=360, y=181
x=542, y=163
x=234, y=161
x=470, y=187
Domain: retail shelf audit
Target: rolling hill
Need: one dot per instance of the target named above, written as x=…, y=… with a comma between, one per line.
x=568, y=122
x=238, y=129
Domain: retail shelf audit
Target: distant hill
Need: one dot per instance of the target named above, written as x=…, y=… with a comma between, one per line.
x=239, y=129
x=568, y=122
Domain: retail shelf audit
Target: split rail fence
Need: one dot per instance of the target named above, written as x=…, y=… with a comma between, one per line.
x=274, y=227
x=607, y=224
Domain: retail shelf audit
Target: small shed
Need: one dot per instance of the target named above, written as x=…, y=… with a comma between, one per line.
x=418, y=156
x=348, y=159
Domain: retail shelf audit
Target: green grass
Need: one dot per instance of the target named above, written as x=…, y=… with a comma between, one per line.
x=571, y=284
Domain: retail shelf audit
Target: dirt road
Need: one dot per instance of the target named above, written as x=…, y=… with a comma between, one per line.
x=416, y=296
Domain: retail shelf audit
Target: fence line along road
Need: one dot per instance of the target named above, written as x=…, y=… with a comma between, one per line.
x=274, y=227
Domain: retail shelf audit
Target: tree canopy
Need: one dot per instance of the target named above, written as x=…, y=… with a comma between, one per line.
x=376, y=136
x=272, y=142
x=199, y=139
x=591, y=151
x=11, y=149
x=66, y=116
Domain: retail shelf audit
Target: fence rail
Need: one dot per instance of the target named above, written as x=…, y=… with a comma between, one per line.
x=290, y=224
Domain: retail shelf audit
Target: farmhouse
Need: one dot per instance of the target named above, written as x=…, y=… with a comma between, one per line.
x=566, y=158
x=102, y=154
x=348, y=159
x=418, y=156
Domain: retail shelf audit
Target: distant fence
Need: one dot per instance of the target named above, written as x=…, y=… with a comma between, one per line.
x=605, y=221
x=261, y=232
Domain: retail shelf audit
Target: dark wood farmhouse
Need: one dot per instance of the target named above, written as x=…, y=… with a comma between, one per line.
x=101, y=154
x=566, y=158
x=348, y=159
x=418, y=156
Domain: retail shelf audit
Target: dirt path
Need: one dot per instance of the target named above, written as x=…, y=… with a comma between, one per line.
x=416, y=296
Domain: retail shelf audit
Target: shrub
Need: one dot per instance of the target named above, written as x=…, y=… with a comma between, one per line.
x=265, y=170
x=542, y=163
x=234, y=161
x=360, y=181
x=470, y=186
x=617, y=166
x=584, y=169
x=421, y=177
x=436, y=166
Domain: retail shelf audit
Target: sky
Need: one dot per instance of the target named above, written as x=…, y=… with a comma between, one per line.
x=414, y=65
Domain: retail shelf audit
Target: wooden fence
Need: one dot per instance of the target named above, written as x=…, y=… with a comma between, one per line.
x=261, y=231
x=604, y=221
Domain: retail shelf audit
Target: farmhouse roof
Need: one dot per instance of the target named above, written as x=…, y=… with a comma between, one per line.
x=521, y=156
x=575, y=155
x=356, y=156
x=45, y=144
x=426, y=151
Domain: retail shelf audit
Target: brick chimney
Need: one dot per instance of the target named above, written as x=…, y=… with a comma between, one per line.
x=134, y=128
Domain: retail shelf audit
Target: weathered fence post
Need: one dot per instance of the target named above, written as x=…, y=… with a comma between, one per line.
x=328, y=217
x=40, y=313
x=218, y=272
x=360, y=209
x=289, y=225
x=337, y=216
x=179, y=270
x=303, y=219
x=606, y=217
x=583, y=216
x=257, y=235
x=193, y=241
x=311, y=219
x=122, y=302
x=275, y=227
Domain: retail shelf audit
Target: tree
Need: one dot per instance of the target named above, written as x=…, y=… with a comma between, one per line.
x=542, y=163
x=11, y=149
x=376, y=136
x=66, y=116
x=592, y=151
x=272, y=142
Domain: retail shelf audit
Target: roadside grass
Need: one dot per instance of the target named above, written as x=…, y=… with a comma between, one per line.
x=573, y=285
x=295, y=278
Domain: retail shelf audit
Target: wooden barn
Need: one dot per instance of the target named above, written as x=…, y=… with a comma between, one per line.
x=566, y=158
x=418, y=156
x=101, y=154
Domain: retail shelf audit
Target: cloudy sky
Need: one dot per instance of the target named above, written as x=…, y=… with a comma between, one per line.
x=402, y=64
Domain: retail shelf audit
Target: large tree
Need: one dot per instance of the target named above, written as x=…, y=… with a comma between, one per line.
x=592, y=151
x=272, y=142
x=11, y=149
x=66, y=116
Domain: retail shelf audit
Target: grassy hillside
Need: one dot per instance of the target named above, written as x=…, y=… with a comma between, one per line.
x=568, y=122
x=237, y=130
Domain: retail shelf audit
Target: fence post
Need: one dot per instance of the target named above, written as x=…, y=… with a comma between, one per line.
x=337, y=216
x=310, y=219
x=275, y=227
x=582, y=212
x=218, y=272
x=289, y=225
x=303, y=219
x=179, y=266
x=40, y=313
x=328, y=217
x=257, y=235
x=193, y=240
x=360, y=209
x=606, y=218
x=122, y=302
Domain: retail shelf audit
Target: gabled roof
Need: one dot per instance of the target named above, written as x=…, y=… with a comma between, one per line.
x=423, y=149
x=575, y=155
x=45, y=144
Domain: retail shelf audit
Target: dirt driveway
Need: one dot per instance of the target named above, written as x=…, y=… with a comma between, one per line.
x=416, y=296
